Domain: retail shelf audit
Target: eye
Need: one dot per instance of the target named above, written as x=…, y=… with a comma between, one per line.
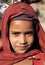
x=29, y=33
x=15, y=33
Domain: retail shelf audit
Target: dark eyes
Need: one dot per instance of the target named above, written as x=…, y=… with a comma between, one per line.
x=26, y=33
x=15, y=33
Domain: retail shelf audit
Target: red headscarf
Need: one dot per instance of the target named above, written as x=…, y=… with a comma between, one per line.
x=6, y=56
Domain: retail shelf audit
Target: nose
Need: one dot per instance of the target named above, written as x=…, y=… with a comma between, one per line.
x=23, y=39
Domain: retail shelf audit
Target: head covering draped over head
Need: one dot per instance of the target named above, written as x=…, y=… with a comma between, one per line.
x=6, y=56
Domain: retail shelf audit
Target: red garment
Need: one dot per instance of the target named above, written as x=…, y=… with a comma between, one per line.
x=42, y=39
x=6, y=56
x=39, y=60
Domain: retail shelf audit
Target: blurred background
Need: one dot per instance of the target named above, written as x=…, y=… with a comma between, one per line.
x=38, y=5
x=40, y=11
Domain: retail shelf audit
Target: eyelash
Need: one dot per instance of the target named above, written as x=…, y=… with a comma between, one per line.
x=16, y=34
x=27, y=34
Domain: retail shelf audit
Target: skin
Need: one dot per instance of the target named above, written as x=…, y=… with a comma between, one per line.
x=0, y=43
x=0, y=40
x=21, y=35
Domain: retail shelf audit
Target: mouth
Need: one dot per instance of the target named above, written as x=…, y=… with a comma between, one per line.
x=23, y=47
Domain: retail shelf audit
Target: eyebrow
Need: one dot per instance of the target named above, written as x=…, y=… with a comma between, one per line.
x=16, y=32
x=29, y=32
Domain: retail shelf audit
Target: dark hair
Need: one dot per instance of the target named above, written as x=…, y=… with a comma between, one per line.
x=0, y=35
x=36, y=39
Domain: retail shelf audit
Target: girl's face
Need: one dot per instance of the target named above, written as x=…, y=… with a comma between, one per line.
x=21, y=35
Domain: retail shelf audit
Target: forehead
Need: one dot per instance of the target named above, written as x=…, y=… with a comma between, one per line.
x=21, y=25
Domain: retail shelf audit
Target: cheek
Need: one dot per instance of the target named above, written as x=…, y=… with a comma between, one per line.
x=30, y=39
x=14, y=39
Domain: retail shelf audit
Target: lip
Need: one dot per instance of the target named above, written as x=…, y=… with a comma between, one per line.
x=23, y=47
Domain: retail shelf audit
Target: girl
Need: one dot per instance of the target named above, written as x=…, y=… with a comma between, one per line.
x=21, y=37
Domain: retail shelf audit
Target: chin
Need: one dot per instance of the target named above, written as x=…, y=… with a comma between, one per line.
x=21, y=52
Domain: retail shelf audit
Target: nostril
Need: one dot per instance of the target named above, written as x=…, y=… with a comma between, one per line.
x=25, y=42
